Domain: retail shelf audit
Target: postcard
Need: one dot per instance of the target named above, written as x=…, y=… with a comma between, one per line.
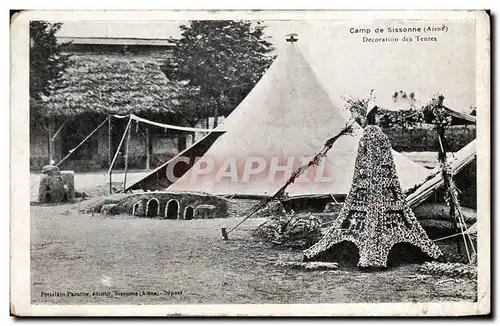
x=250, y=163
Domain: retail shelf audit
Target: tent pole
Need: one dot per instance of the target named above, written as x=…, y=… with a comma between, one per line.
x=118, y=149
x=126, y=159
x=120, y=144
x=455, y=214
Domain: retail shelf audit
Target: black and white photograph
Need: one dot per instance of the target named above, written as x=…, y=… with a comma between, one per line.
x=202, y=163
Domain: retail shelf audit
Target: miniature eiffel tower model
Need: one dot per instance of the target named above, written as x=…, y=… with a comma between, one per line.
x=375, y=215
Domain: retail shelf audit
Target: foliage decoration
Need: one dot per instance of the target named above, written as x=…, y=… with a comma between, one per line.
x=375, y=215
x=433, y=113
x=290, y=230
x=358, y=107
x=407, y=119
x=453, y=270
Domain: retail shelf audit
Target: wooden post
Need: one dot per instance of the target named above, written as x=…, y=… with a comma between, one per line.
x=148, y=158
x=216, y=115
x=126, y=160
x=442, y=150
x=109, y=139
x=193, y=140
x=181, y=141
x=109, y=154
x=50, y=131
x=110, y=183
x=443, y=159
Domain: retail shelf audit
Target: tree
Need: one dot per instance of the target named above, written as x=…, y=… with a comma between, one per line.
x=47, y=62
x=47, y=65
x=220, y=62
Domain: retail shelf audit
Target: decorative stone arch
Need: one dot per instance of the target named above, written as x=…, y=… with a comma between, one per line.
x=346, y=253
x=405, y=252
x=135, y=208
x=205, y=211
x=189, y=213
x=172, y=209
x=153, y=207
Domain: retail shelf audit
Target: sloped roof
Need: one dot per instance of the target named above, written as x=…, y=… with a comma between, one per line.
x=112, y=84
x=289, y=114
x=459, y=118
x=115, y=41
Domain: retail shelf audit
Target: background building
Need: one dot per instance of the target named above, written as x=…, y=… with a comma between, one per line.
x=110, y=75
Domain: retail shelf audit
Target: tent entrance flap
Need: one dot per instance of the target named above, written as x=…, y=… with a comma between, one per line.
x=157, y=179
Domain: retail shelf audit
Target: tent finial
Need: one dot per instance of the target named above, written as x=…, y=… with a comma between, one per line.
x=292, y=38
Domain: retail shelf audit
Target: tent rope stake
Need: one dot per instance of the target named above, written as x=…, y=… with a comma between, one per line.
x=315, y=160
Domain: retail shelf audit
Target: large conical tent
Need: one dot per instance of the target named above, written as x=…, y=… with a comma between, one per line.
x=288, y=114
x=375, y=215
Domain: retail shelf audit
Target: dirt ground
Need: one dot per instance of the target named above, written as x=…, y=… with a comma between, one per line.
x=80, y=258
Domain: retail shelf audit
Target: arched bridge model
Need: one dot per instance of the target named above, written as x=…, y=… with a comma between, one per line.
x=174, y=206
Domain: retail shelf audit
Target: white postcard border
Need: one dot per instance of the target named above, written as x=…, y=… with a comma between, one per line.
x=20, y=183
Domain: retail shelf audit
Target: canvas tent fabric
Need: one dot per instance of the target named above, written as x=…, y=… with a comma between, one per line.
x=435, y=180
x=375, y=215
x=289, y=114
